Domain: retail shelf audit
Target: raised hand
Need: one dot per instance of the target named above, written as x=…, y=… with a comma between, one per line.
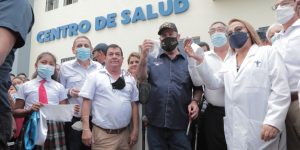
x=188, y=47
x=147, y=45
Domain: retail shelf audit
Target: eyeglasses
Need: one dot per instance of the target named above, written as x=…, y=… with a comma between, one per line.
x=218, y=29
x=281, y=4
x=236, y=29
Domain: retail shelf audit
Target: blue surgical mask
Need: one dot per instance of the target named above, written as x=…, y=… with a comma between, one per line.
x=275, y=37
x=18, y=87
x=218, y=39
x=45, y=71
x=83, y=53
x=238, y=39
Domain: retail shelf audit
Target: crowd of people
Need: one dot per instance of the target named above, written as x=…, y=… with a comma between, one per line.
x=241, y=94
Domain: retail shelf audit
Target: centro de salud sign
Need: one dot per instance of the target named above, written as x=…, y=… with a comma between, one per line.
x=109, y=21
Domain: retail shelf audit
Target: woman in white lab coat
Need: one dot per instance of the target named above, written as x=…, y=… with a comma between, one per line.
x=257, y=94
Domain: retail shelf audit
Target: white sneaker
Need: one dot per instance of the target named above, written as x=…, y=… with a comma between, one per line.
x=77, y=126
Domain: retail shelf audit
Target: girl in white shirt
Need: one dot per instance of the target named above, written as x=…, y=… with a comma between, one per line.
x=28, y=100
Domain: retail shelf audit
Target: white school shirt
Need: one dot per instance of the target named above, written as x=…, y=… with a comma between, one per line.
x=111, y=108
x=288, y=46
x=73, y=75
x=216, y=96
x=29, y=92
x=255, y=95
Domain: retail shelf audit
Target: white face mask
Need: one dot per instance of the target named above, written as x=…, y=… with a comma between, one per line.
x=275, y=37
x=284, y=13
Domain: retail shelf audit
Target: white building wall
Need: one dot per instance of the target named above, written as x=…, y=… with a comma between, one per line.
x=194, y=22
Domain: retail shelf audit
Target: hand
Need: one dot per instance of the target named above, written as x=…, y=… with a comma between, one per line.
x=188, y=47
x=147, y=45
x=86, y=137
x=76, y=108
x=133, y=138
x=268, y=132
x=36, y=107
x=74, y=92
x=193, y=110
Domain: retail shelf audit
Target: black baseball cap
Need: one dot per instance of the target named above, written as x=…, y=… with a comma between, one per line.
x=101, y=47
x=167, y=25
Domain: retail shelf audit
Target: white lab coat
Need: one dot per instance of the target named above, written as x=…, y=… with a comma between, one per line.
x=255, y=95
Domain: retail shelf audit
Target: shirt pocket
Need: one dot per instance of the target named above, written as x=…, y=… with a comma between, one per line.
x=75, y=81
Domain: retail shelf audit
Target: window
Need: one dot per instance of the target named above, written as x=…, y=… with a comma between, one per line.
x=51, y=4
x=68, y=2
x=67, y=59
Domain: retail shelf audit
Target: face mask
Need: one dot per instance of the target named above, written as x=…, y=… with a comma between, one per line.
x=275, y=37
x=169, y=43
x=45, y=71
x=17, y=87
x=218, y=39
x=284, y=14
x=83, y=53
x=238, y=39
x=119, y=84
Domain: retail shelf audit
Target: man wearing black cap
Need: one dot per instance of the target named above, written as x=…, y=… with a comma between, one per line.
x=171, y=105
x=99, y=53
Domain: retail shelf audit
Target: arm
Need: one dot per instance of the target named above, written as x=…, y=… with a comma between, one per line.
x=200, y=70
x=135, y=124
x=21, y=112
x=7, y=41
x=279, y=98
x=142, y=68
x=86, y=133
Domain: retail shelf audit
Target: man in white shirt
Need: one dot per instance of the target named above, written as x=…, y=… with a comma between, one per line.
x=213, y=116
x=72, y=76
x=288, y=46
x=113, y=95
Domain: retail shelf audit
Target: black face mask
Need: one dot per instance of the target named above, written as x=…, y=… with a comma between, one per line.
x=169, y=43
x=119, y=84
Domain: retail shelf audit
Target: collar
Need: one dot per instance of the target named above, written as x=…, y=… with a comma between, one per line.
x=228, y=54
x=252, y=51
x=104, y=70
x=76, y=63
x=293, y=26
x=39, y=79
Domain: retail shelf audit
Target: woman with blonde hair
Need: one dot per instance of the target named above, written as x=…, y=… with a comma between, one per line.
x=256, y=90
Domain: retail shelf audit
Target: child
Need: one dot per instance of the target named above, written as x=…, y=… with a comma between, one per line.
x=30, y=98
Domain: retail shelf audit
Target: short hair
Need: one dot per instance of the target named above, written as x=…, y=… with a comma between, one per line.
x=11, y=74
x=133, y=54
x=252, y=32
x=115, y=46
x=270, y=27
x=22, y=73
x=82, y=37
x=216, y=22
x=201, y=44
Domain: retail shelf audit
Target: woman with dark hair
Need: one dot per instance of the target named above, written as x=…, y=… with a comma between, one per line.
x=256, y=90
x=43, y=89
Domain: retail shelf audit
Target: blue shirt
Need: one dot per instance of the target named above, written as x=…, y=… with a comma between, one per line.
x=17, y=16
x=171, y=91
